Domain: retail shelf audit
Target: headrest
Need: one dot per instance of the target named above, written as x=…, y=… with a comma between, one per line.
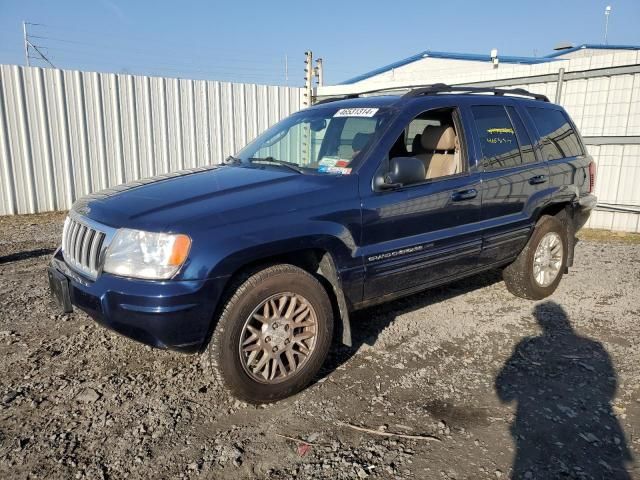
x=438, y=138
x=360, y=141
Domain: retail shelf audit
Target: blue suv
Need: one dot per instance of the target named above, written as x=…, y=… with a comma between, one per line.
x=352, y=202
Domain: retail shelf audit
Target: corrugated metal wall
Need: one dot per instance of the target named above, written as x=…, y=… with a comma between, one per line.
x=67, y=133
x=607, y=110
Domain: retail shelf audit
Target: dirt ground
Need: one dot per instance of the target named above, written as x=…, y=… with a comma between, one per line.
x=492, y=386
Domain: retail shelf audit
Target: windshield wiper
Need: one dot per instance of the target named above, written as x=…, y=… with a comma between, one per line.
x=272, y=161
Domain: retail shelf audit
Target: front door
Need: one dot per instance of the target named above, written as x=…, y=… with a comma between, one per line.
x=425, y=233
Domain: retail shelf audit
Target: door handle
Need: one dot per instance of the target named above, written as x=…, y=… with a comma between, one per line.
x=464, y=195
x=538, y=179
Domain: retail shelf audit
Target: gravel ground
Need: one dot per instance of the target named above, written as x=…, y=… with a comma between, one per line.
x=492, y=386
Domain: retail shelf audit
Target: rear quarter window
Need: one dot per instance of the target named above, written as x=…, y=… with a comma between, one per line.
x=558, y=139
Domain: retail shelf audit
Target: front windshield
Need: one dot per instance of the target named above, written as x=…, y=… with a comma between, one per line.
x=323, y=140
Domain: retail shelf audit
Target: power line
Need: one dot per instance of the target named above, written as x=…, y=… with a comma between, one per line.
x=146, y=60
x=150, y=53
x=146, y=40
x=175, y=63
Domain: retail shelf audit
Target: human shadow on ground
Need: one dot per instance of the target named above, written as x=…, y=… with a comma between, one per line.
x=563, y=385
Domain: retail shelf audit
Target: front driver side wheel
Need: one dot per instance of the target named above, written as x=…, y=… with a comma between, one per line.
x=273, y=334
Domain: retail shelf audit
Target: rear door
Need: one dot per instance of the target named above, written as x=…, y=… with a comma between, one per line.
x=514, y=180
x=562, y=149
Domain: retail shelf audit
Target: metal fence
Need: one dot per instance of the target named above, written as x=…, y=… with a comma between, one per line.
x=67, y=133
x=64, y=134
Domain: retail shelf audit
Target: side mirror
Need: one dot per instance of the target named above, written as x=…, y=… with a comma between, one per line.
x=402, y=171
x=318, y=125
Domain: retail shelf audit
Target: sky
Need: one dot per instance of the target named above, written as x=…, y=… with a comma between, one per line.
x=248, y=41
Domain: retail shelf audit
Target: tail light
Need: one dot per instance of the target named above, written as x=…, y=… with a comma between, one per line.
x=592, y=176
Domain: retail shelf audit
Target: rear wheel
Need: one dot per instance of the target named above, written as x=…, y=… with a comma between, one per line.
x=537, y=271
x=273, y=334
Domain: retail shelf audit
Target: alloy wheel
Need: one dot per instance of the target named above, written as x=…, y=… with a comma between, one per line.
x=278, y=338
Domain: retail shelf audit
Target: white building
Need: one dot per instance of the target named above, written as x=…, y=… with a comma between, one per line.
x=430, y=66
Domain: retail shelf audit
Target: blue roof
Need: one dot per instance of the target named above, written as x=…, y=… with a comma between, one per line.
x=478, y=57
x=595, y=46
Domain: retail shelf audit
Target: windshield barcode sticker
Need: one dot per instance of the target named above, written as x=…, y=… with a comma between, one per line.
x=356, y=112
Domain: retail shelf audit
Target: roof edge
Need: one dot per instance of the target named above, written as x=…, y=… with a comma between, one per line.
x=593, y=46
x=479, y=57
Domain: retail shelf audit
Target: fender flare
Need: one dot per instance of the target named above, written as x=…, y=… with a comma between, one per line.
x=328, y=270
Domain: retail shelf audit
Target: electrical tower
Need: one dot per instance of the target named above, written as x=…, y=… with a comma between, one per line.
x=29, y=46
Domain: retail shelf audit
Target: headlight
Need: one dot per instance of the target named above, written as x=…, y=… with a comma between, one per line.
x=134, y=253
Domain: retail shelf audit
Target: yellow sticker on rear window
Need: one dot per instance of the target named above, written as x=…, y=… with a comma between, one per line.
x=499, y=130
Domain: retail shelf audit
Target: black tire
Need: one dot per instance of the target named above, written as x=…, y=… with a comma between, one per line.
x=519, y=275
x=245, y=296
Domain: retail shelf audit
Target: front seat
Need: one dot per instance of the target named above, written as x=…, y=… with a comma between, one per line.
x=416, y=145
x=440, y=144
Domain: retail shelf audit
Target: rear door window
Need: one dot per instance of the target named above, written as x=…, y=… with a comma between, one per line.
x=497, y=136
x=558, y=139
x=526, y=146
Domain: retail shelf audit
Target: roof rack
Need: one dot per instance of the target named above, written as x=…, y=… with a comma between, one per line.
x=444, y=88
x=357, y=95
x=436, y=88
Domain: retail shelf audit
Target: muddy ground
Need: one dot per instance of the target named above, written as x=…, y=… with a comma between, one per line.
x=494, y=386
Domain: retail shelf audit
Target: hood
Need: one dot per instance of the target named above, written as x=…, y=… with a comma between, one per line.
x=161, y=203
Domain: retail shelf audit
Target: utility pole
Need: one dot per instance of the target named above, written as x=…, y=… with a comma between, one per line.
x=319, y=73
x=307, y=102
x=308, y=77
x=607, y=12
x=26, y=43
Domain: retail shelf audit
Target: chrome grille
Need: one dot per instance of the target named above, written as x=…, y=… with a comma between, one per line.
x=82, y=246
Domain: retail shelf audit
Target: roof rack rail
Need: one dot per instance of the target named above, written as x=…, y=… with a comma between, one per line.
x=335, y=99
x=359, y=94
x=419, y=90
x=444, y=88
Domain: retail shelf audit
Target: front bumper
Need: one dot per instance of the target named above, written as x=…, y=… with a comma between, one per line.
x=167, y=314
